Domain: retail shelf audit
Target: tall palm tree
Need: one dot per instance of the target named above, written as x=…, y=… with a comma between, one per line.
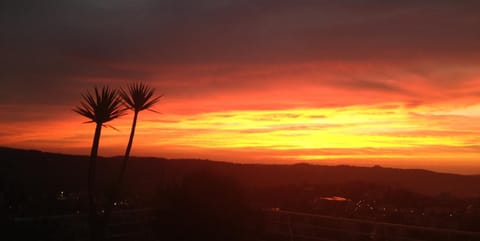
x=137, y=97
x=100, y=107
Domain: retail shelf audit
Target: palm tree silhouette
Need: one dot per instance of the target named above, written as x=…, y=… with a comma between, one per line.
x=100, y=107
x=137, y=97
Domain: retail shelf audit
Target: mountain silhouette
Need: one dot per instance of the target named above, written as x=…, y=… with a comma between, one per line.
x=43, y=171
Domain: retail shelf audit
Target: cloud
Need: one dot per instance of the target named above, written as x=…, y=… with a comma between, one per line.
x=237, y=31
x=371, y=85
x=408, y=60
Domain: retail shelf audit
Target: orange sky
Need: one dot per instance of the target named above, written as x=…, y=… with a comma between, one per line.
x=287, y=114
x=385, y=84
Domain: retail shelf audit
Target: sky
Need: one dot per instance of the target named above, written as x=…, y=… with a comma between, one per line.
x=347, y=82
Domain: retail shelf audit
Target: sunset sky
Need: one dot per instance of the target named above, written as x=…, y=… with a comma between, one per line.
x=390, y=83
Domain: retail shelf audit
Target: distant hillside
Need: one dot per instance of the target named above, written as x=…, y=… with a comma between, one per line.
x=44, y=171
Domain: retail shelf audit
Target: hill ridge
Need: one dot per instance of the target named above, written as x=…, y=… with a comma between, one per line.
x=145, y=173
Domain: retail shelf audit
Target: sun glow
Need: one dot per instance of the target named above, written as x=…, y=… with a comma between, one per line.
x=389, y=133
x=352, y=127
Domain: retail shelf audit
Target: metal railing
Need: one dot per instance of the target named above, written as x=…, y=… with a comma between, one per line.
x=295, y=226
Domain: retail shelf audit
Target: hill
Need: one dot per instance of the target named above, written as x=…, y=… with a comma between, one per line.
x=43, y=171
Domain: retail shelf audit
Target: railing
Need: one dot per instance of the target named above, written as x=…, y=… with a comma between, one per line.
x=278, y=226
x=295, y=226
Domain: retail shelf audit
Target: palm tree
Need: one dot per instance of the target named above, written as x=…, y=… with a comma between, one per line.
x=137, y=97
x=100, y=107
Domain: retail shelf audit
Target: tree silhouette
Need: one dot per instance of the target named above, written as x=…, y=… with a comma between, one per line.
x=100, y=107
x=136, y=97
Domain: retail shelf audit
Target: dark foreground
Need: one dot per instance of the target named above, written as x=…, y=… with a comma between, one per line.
x=148, y=225
x=43, y=197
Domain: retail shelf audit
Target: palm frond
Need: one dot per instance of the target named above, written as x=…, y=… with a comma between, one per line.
x=110, y=126
x=139, y=96
x=101, y=106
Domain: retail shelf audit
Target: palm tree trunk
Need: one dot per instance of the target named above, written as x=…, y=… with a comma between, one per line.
x=116, y=189
x=129, y=147
x=92, y=209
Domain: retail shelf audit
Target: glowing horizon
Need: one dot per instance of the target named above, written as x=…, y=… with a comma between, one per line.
x=388, y=135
